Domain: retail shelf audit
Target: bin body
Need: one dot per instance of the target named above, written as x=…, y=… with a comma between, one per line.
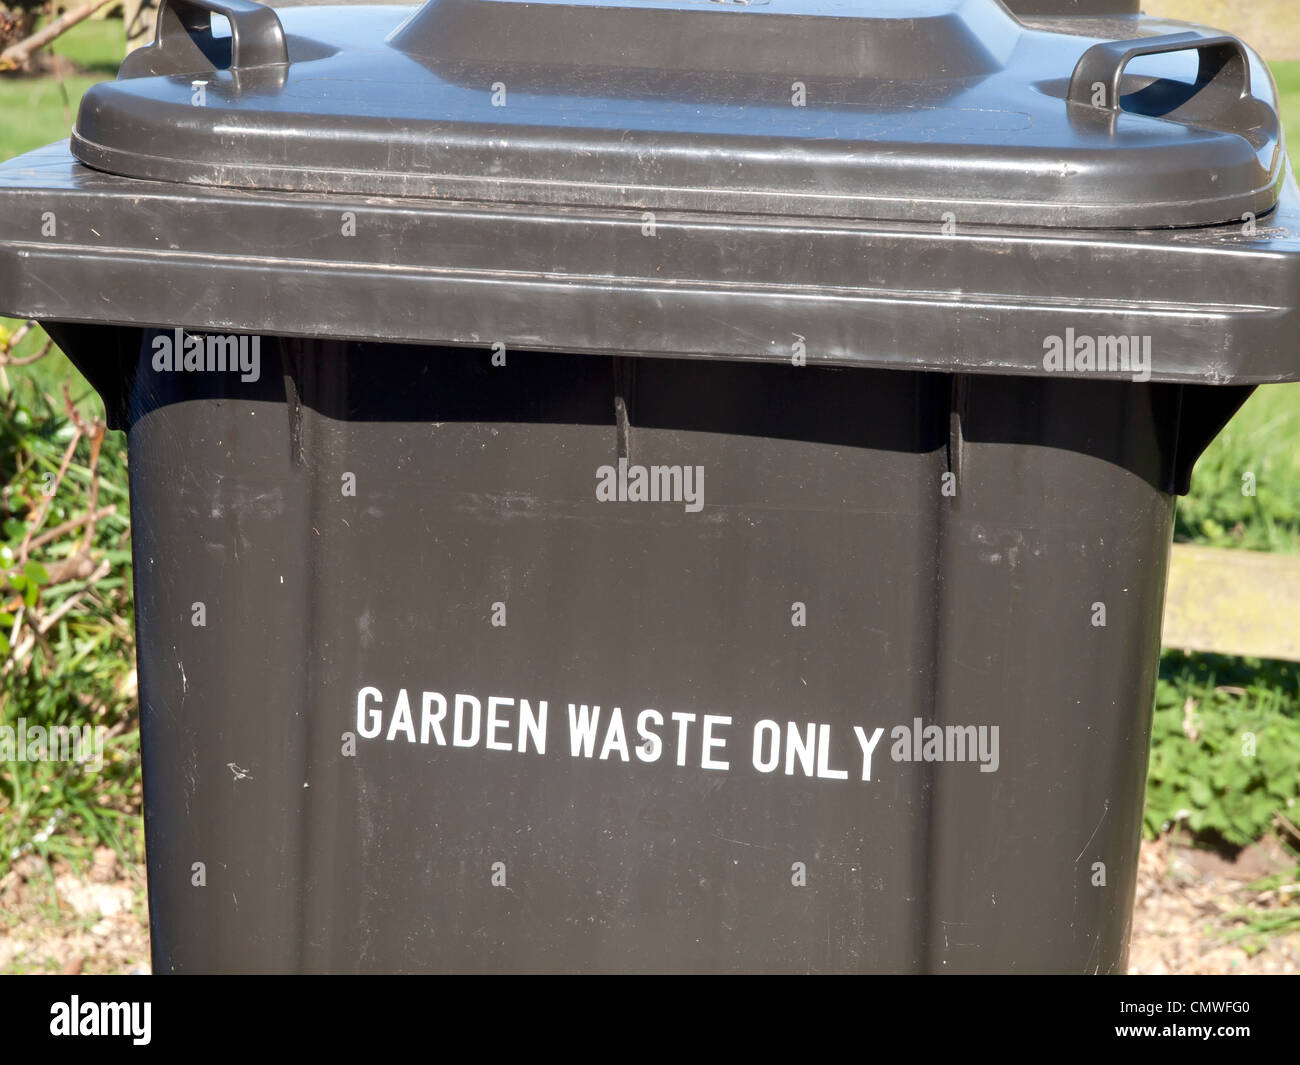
x=864, y=682
x=475, y=487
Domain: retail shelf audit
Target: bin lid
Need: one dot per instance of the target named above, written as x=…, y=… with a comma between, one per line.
x=858, y=109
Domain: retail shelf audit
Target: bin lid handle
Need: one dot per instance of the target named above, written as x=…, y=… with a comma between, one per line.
x=1224, y=69
x=184, y=38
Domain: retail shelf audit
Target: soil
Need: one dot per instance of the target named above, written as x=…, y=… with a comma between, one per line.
x=1194, y=910
x=54, y=919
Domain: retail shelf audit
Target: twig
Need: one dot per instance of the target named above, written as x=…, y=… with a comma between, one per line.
x=18, y=624
x=68, y=526
x=9, y=360
x=94, y=431
x=39, y=520
x=96, y=440
x=52, y=618
x=17, y=55
x=17, y=654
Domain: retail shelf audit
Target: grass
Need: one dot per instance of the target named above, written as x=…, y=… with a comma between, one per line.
x=1270, y=915
x=1263, y=441
x=34, y=112
x=48, y=375
x=1287, y=75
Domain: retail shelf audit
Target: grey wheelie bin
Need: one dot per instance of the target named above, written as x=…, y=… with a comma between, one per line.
x=630, y=485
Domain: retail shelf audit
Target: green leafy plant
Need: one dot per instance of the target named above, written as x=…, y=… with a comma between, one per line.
x=1225, y=747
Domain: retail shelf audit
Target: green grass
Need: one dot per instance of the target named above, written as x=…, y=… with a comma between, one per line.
x=47, y=375
x=97, y=45
x=36, y=111
x=1263, y=441
x=1253, y=926
x=1287, y=75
